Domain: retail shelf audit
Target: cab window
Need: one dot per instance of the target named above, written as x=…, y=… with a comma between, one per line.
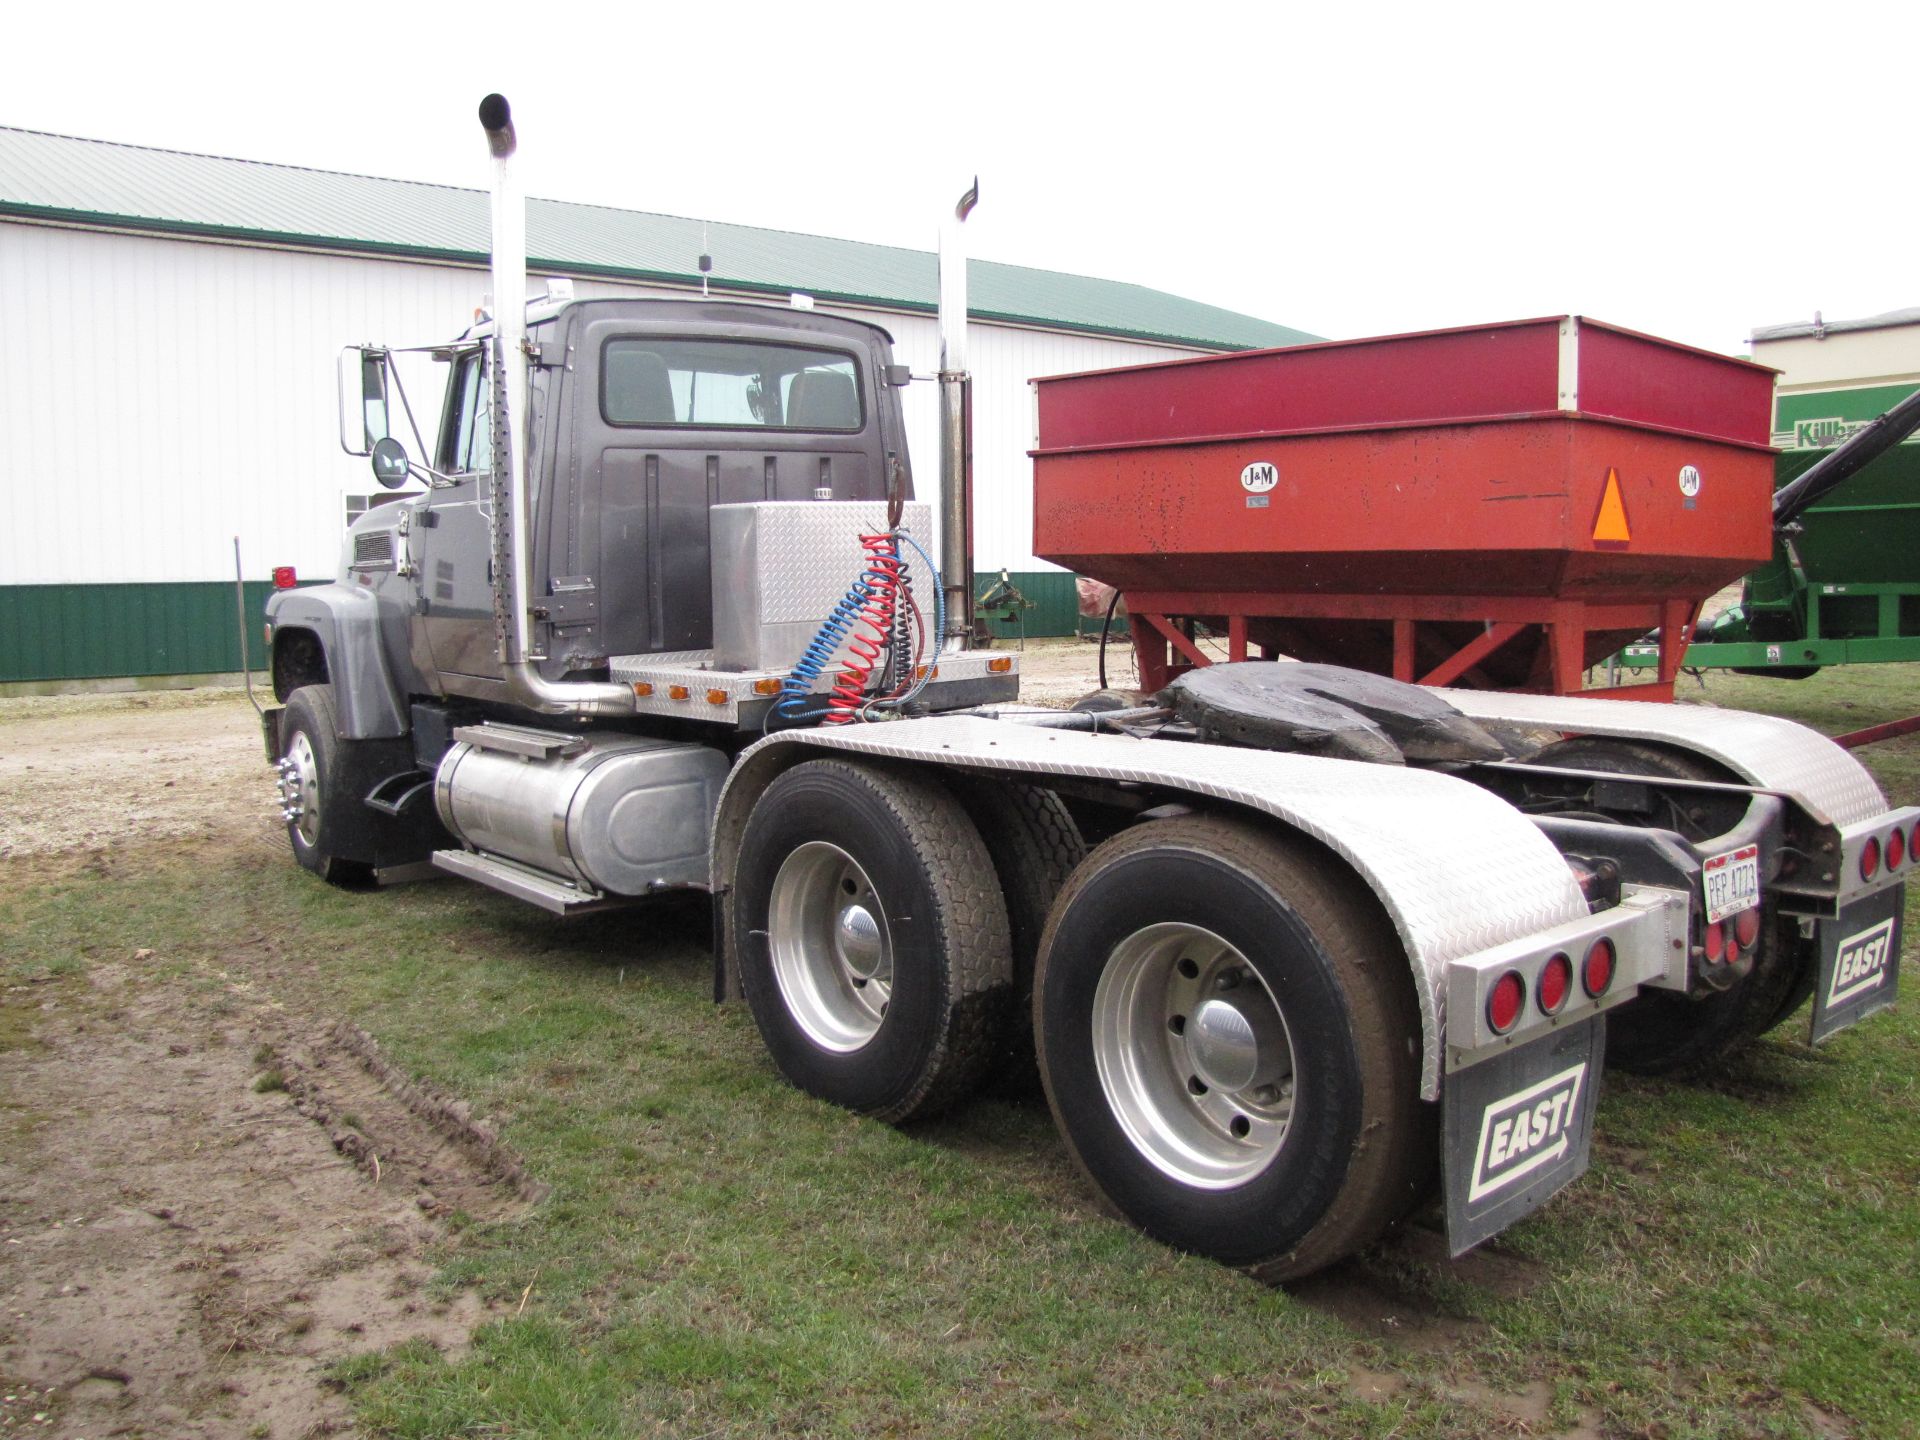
x=728, y=384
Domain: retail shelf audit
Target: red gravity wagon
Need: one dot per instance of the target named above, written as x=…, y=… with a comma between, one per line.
x=1497, y=506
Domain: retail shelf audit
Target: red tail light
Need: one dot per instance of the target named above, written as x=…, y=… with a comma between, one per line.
x=284, y=578
x=1714, y=942
x=1896, y=849
x=1556, y=983
x=1596, y=971
x=1509, y=994
x=1870, y=858
x=1746, y=926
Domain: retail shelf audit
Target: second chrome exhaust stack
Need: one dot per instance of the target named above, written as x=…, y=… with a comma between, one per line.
x=956, y=429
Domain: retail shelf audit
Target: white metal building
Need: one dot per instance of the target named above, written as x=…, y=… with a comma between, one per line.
x=174, y=322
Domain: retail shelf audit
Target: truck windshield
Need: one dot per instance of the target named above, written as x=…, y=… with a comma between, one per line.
x=727, y=383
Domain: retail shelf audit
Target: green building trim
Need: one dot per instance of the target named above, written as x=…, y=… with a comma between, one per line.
x=51, y=633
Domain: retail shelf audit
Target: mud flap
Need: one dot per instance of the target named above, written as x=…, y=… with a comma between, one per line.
x=270, y=732
x=1517, y=1128
x=1859, y=962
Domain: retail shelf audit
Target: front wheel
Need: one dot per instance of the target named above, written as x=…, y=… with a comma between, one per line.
x=1229, y=1040
x=313, y=791
x=871, y=938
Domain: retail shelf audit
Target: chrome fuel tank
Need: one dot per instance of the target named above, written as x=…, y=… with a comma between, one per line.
x=617, y=813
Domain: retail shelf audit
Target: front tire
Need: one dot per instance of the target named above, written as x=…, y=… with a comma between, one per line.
x=1228, y=1039
x=871, y=938
x=312, y=787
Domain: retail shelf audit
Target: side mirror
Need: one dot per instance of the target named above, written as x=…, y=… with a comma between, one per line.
x=898, y=375
x=363, y=399
x=390, y=464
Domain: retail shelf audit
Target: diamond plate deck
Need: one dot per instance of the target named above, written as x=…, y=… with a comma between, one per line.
x=735, y=695
x=1763, y=750
x=1457, y=870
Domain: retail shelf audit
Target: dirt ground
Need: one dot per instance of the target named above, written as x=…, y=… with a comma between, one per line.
x=205, y=1197
x=87, y=771
x=1058, y=672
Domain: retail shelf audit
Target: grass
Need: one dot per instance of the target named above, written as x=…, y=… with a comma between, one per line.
x=721, y=1255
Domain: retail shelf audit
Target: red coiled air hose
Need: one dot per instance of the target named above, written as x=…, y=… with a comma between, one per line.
x=872, y=631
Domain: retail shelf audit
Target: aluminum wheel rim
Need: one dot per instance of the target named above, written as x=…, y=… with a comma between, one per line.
x=303, y=781
x=832, y=954
x=1194, y=1055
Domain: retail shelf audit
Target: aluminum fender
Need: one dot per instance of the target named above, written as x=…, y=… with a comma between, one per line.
x=347, y=620
x=1763, y=750
x=1458, y=870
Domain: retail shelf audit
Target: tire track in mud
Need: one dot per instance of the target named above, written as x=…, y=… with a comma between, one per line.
x=204, y=1203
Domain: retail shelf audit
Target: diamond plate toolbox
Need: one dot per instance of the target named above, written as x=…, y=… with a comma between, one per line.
x=780, y=566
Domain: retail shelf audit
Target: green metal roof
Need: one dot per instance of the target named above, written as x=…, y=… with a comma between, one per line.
x=93, y=182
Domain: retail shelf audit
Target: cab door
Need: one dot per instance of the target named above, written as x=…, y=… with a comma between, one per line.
x=451, y=542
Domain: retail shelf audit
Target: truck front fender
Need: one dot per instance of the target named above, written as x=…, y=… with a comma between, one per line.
x=346, y=621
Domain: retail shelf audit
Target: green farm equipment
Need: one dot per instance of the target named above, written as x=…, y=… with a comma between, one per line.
x=1843, y=586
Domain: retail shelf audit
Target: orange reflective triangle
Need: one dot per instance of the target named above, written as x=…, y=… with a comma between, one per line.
x=1610, y=525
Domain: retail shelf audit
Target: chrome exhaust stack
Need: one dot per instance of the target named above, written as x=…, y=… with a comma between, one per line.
x=507, y=488
x=956, y=430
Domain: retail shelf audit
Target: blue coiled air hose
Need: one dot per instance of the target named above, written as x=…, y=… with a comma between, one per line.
x=797, y=687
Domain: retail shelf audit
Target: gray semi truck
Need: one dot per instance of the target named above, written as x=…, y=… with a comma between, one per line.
x=1291, y=947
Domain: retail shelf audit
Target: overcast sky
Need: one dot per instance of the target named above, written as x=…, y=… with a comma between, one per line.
x=1690, y=170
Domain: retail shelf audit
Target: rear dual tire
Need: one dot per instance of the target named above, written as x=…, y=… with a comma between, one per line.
x=1226, y=1034
x=1226, y=1031
x=871, y=938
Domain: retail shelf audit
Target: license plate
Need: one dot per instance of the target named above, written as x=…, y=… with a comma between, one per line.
x=1733, y=882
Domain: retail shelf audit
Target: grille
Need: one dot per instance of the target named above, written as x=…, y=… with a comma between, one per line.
x=373, y=550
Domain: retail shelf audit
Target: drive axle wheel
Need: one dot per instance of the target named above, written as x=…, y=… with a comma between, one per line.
x=1227, y=1036
x=832, y=954
x=1193, y=1054
x=871, y=938
x=1035, y=846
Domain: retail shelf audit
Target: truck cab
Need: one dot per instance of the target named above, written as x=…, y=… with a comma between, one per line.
x=643, y=416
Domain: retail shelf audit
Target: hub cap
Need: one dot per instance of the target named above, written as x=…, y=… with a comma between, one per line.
x=300, y=784
x=832, y=956
x=1194, y=1055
